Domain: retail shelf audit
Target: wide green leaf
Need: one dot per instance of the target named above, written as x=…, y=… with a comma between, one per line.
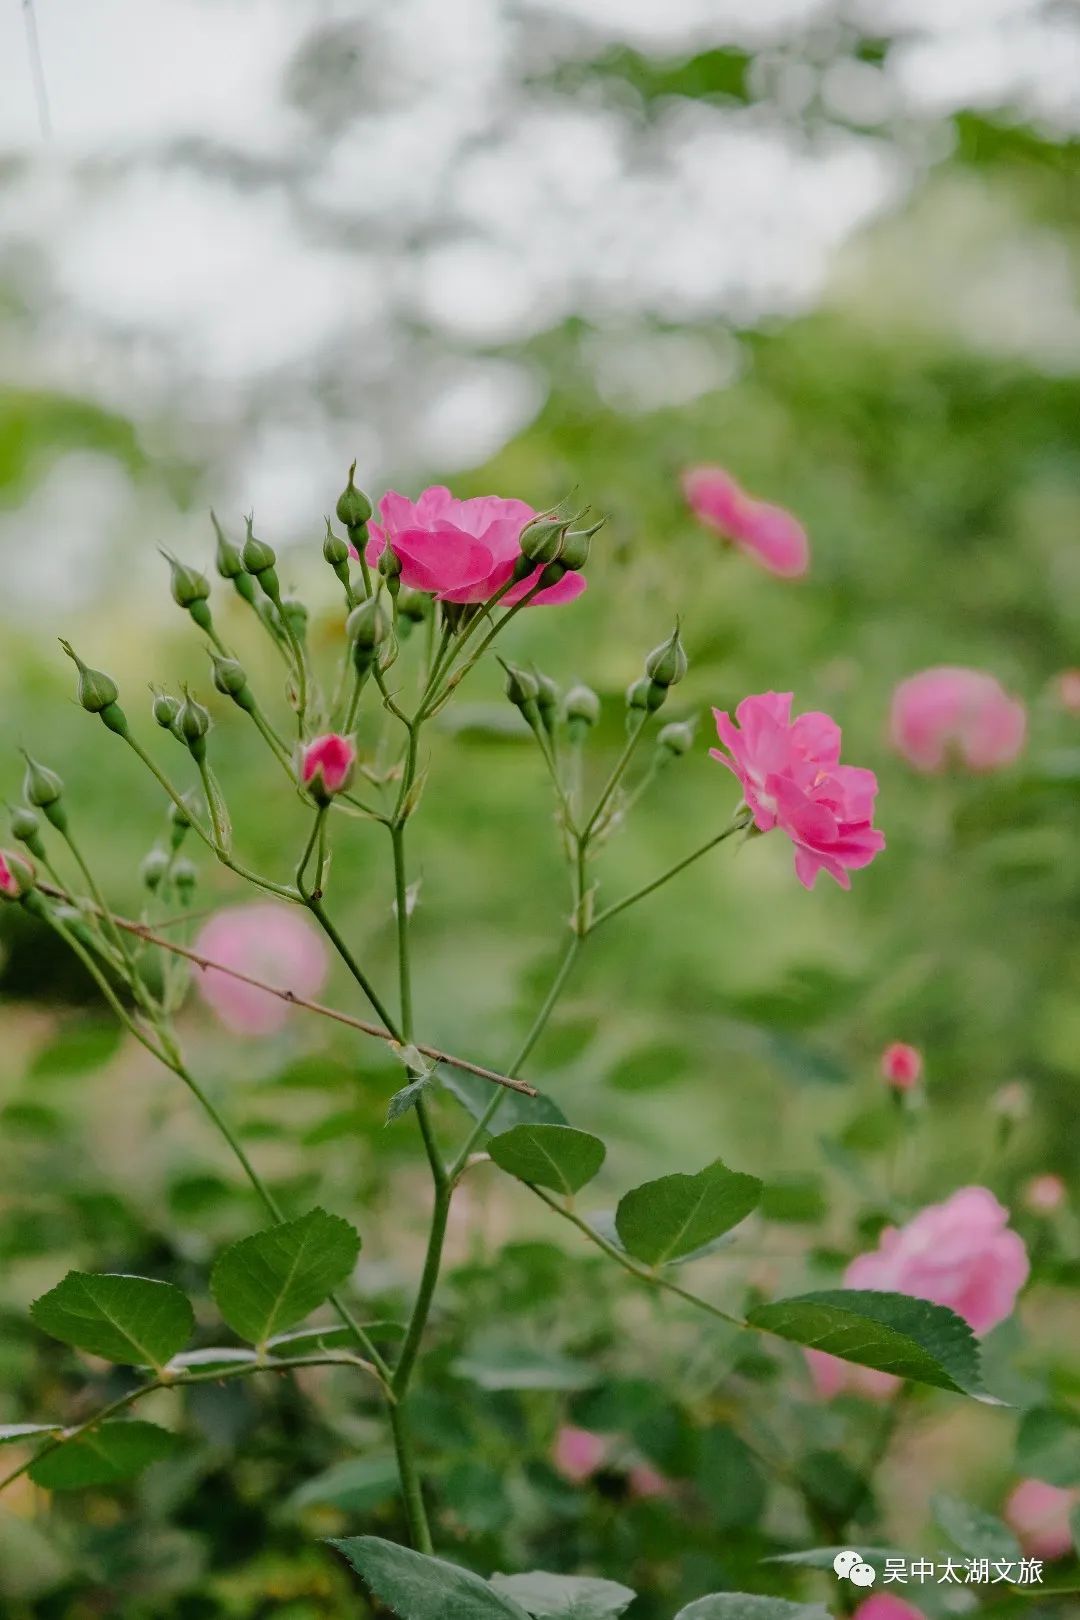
x=667, y=1219
x=419, y=1588
x=133, y=1320
x=267, y=1283
x=358, y=1485
x=331, y=1336
x=565, y=1597
x=105, y=1455
x=1048, y=1446
x=516, y=1107
x=890, y=1332
x=977, y=1533
x=750, y=1606
x=555, y=1156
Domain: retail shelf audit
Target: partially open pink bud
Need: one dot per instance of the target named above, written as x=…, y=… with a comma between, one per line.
x=16, y=875
x=578, y=1453
x=767, y=533
x=1039, y=1514
x=901, y=1066
x=326, y=766
x=1068, y=690
x=1045, y=1194
x=646, y=1483
x=947, y=715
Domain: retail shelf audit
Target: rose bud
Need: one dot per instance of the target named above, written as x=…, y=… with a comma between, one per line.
x=98, y=692
x=185, y=877
x=26, y=827
x=901, y=1066
x=229, y=562
x=192, y=724
x=231, y=681
x=190, y=590
x=153, y=869
x=165, y=710
x=645, y=694
x=582, y=710
x=353, y=507
x=676, y=738
x=259, y=560
x=666, y=664
x=16, y=875
x=326, y=766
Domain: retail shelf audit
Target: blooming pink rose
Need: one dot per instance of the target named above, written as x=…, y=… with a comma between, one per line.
x=948, y=714
x=883, y=1606
x=1045, y=1194
x=901, y=1066
x=326, y=765
x=267, y=941
x=767, y=533
x=792, y=778
x=578, y=1453
x=1039, y=1514
x=462, y=551
x=16, y=875
x=959, y=1253
x=1068, y=690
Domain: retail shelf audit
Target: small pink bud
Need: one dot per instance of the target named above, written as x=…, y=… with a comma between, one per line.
x=1039, y=1515
x=1068, y=690
x=16, y=875
x=901, y=1066
x=326, y=766
x=1045, y=1194
x=647, y=1483
x=578, y=1453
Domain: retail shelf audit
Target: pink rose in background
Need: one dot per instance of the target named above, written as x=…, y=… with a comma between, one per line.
x=791, y=778
x=461, y=551
x=901, y=1066
x=1039, y=1515
x=883, y=1606
x=1045, y=1194
x=267, y=941
x=948, y=714
x=1068, y=690
x=578, y=1453
x=646, y=1483
x=767, y=533
x=326, y=765
x=960, y=1253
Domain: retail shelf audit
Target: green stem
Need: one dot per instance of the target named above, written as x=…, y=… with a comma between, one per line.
x=315, y=906
x=430, y=704
x=117, y=939
x=739, y=822
x=314, y=838
x=616, y=776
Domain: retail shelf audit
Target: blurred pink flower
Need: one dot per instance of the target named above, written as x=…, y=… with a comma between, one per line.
x=791, y=778
x=960, y=1253
x=949, y=714
x=1045, y=1194
x=883, y=1606
x=326, y=764
x=268, y=941
x=901, y=1066
x=767, y=533
x=578, y=1453
x=1068, y=690
x=16, y=874
x=462, y=551
x=1039, y=1514
x=647, y=1483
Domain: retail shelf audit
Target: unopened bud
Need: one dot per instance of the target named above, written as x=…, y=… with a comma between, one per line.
x=645, y=696
x=335, y=549
x=231, y=681
x=547, y=701
x=179, y=821
x=582, y=709
x=522, y=687
x=229, y=562
x=41, y=787
x=676, y=738
x=98, y=692
x=296, y=616
x=153, y=869
x=16, y=875
x=666, y=664
x=165, y=710
x=259, y=560
x=192, y=724
x=26, y=827
x=368, y=625
x=390, y=568
x=190, y=590
x=353, y=507
x=551, y=575
x=413, y=604
x=542, y=538
x=577, y=545
x=185, y=877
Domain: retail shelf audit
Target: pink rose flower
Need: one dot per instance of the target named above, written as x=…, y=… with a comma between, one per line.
x=1039, y=1515
x=767, y=533
x=791, y=778
x=901, y=1066
x=1045, y=1194
x=16, y=875
x=960, y=715
x=646, y=1483
x=461, y=551
x=326, y=765
x=960, y=1253
x=267, y=941
x=1068, y=690
x=578, y=1453
x=883, y=1606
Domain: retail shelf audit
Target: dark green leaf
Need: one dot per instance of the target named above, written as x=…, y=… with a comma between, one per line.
x=667, y=1219
x=418, y=1588
x=106, y=1454
x=134, y=1320
x=555, y=1156
x=82, y=1045
x=516, y=1367
x=334, y=1336
x=650, y=1067
x=891, y=1332
x=267, y=1283
x=357, y=1486
x=794, y=1201
x=565, y=1597
x=1048, y=1446
x=407, y=1098
x=516, y=1108
x=975, y=1532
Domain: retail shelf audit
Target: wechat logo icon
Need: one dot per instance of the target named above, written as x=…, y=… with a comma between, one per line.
x=849, y=1566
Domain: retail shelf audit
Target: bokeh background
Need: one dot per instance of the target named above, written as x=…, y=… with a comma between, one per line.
x=540, y=248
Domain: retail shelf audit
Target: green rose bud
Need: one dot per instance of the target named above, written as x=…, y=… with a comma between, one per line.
x=522, y=687
x=413, y=604
x=368, y=625
x=541, y=539
x=676, y=738
x=666, y=664
x=335, y=549
x=231, y=681
x=547, y=701
x=645, y=696
x=41, y=787
x=229, y=562
x=165, y=710
x=180, y=820
x=190, y=590
x=259, y=560
x=582, y=706
x=185, y=878
x=26, y=827
x=98, y=692
x=192, y=724
x=295, y=615
x=153, y=869
x=353, y=507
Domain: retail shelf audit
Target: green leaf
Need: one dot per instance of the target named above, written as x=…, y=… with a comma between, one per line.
x=650, y=1067
x=556, y=1156
x=415, y=1587
x=565, y=1597
x=975, y=1532
x=106, y=1454
x=134, y=1320
x=1048, y=1446
x=407, y=1098
x=213, y=1357
x=334, y=1336
x=507, y=1366
x=81, y=1045
x=822, y=1557
x=13, y=1434
x=749, y=1606
x=890, y=1332
x=267, y=1283
x=516, y=1108
x=664, y=1220
x=358, y=1485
